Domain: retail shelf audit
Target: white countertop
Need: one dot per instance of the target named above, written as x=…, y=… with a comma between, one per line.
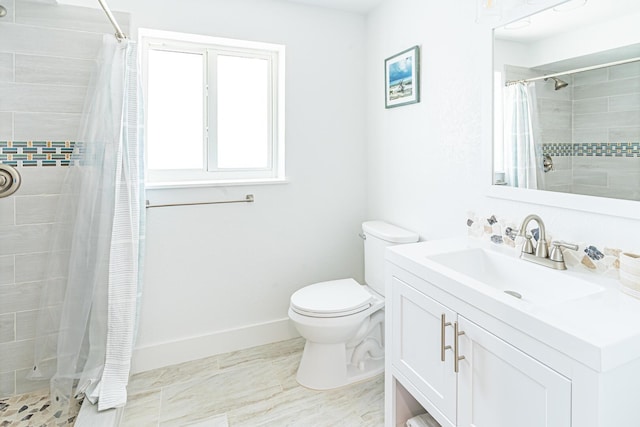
x=601, y=330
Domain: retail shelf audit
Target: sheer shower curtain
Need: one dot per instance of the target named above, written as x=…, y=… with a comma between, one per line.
x=522, y=153
x=100, y=227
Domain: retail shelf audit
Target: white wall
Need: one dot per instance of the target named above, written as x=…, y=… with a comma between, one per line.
x=425, y=161
x=214, y=269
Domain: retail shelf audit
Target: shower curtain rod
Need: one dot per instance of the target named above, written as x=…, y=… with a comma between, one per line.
x=577, y=70
x=119, y=34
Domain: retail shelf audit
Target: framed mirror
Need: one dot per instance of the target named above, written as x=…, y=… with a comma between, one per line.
x=566, y=101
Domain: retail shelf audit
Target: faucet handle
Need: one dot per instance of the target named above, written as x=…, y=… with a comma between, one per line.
x=556, y=252
x=527, y=247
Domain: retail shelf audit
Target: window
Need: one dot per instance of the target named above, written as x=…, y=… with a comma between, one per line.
x=214, y=109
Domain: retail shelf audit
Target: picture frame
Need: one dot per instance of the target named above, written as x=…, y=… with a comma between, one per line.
x=402, y=78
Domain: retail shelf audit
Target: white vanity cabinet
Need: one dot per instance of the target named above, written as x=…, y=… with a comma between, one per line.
x=500, y=386
x=496, y=385
x=565, y=354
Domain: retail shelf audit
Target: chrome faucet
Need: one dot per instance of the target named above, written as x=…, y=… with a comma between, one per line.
x=541, y=254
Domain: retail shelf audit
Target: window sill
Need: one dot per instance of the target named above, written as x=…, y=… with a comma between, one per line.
x=217, y=183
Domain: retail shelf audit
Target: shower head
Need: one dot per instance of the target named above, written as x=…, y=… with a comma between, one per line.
x=3, y=11
x=558, y=84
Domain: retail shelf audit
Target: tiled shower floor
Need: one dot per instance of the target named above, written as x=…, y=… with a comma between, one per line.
x=253, y=387
x=34, y=409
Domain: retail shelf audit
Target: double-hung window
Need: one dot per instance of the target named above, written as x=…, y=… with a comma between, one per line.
x=214, y=109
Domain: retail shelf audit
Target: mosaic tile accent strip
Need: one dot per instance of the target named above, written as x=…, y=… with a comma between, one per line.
x=37, y=153
x=594, y=149
x=501, y=231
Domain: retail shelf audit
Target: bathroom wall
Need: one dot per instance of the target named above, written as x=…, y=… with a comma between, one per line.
x=219, y=277
x=426, y=162
x=45, y=63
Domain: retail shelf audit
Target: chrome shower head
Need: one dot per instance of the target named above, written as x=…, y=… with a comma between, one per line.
x=558, y=84
x=3, y=11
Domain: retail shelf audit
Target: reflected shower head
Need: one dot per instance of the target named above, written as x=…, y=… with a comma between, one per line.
x=558, y=84
x=3, y=11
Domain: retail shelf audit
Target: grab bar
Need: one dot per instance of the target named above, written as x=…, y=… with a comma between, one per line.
x=248, y=199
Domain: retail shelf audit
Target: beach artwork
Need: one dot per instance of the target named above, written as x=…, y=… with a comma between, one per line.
x=401, y=78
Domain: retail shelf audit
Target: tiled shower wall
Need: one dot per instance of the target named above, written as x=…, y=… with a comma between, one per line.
x=606, y=108
x=46, y=58
x=592, y=130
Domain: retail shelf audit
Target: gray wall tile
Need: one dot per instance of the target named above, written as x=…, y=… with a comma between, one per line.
x=7, y=211
x=556, y=135
x=7, y=327
x=590, y=135
x=7, y=269
x=36, y=209
x=22, y=297
x=16, y=355
x=41, y=181
x=30, y=126
x=606, y=120
x=32, y=40
x=624, y=71
x=630, y=102
x=24, y=239
x=6, y=126
x=26, y=322
x=590, y=77
x=591, y=105
x=7, y=384
x=25, y=385
x=6, y=67
x=609, y=88
x=631, y=133
x=22, y=97
x=40, y=266
x=53, y=71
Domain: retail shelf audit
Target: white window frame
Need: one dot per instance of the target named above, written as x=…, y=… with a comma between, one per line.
x=210, y=48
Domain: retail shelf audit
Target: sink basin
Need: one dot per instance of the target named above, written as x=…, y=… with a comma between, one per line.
x=518, y=278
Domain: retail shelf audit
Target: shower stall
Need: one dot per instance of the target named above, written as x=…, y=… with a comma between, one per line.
x=72, y=216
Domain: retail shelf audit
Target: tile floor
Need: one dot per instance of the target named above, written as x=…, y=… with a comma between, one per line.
x=254, y=387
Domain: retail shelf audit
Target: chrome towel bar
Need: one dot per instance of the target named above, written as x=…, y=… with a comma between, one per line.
x=248, y=199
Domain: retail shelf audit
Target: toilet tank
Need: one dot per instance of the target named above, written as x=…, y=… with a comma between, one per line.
x=377, y=236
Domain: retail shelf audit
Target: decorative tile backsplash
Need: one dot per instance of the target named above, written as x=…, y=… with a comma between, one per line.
x=596, y=149
x=594, y=258
x=36, y=153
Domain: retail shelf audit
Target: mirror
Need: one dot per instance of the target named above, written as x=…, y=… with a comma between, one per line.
x=564, y=120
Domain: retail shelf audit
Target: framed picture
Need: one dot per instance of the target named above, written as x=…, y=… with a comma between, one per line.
x=402, y=78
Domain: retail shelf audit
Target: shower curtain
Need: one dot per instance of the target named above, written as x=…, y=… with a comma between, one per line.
x=99, y=232
x=522, y=154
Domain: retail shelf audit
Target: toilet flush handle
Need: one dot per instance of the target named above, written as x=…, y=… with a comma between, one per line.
x=362, y=236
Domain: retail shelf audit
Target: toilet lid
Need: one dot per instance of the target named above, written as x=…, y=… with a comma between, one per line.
x=331, y=299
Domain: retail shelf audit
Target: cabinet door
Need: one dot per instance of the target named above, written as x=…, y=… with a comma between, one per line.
x=416, y=342
x=499, y=386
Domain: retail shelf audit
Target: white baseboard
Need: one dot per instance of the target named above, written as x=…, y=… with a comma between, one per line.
x=193, y=348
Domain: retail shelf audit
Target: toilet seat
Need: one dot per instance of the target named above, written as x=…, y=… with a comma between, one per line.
x=334, y=298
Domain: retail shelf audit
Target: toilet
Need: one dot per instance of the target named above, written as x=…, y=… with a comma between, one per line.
x=343, y=321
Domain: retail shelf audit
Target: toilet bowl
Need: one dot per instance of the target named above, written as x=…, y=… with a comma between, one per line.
x=343, y=321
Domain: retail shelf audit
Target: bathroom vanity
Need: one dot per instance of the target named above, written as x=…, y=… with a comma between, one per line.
x=478, y=337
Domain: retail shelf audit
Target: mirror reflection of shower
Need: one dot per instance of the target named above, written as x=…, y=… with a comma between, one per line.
x=558, y=84
x=3, y=11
